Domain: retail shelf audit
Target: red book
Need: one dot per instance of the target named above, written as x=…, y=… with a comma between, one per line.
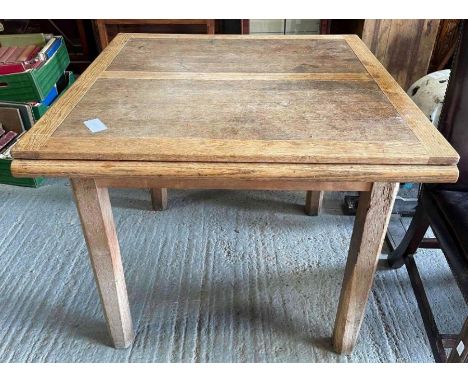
x=29, y=53
x=35, y=54
x=15, y=54
x=7, y=138
x=3, y=50
x=12, y=67
x=20, y=59
x=8, y=53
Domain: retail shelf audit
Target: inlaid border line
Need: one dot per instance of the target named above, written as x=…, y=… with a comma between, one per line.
x=438, y=149
x=235, y=76
x=39, y=134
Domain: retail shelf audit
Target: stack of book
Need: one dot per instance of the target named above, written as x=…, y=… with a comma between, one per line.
x=32, y=76
x=17, y=59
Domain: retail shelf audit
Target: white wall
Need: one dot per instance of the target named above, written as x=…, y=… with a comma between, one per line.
x=277, y=26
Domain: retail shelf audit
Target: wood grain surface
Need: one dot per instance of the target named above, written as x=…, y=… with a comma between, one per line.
x=98, y=227
x=264, y=99
x=229, y=150
x=370, y=226
x=238, y=55
x=158, y=198
x=313, y=202
x=245, y=110
x=38, y=135
x=435, y=144
x=240, y=172
x=404, y=47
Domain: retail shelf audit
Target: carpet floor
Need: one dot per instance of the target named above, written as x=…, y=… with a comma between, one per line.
x=221, y=276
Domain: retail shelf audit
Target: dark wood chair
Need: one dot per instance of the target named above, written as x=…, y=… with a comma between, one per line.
x=444, y=208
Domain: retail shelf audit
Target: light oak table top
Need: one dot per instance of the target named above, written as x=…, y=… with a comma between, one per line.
x=249, y=112
x=296, y=100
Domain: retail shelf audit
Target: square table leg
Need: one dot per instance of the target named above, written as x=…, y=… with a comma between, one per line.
x=98, y=227
x=370, y=225
x=313, y=202
x=159, y=198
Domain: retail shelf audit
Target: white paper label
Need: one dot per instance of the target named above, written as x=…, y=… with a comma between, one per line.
x=95, y=125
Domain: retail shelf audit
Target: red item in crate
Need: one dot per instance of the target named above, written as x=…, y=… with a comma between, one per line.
x=7, y=138
x=18, y=59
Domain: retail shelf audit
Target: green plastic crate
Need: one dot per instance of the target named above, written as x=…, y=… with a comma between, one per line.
x=7, y=178
x=34, y=84
x=40, y=109
x=5, y=163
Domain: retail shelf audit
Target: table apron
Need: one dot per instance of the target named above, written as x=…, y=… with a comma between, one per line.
x=281, y=176
x=232, y=184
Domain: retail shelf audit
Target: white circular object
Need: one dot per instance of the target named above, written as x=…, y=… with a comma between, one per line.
x=429, y=92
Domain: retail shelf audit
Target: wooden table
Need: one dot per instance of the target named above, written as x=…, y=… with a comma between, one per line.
x=236, y=112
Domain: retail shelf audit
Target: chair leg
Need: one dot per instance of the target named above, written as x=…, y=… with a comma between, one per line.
x=410, y=243
x=460, y=352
